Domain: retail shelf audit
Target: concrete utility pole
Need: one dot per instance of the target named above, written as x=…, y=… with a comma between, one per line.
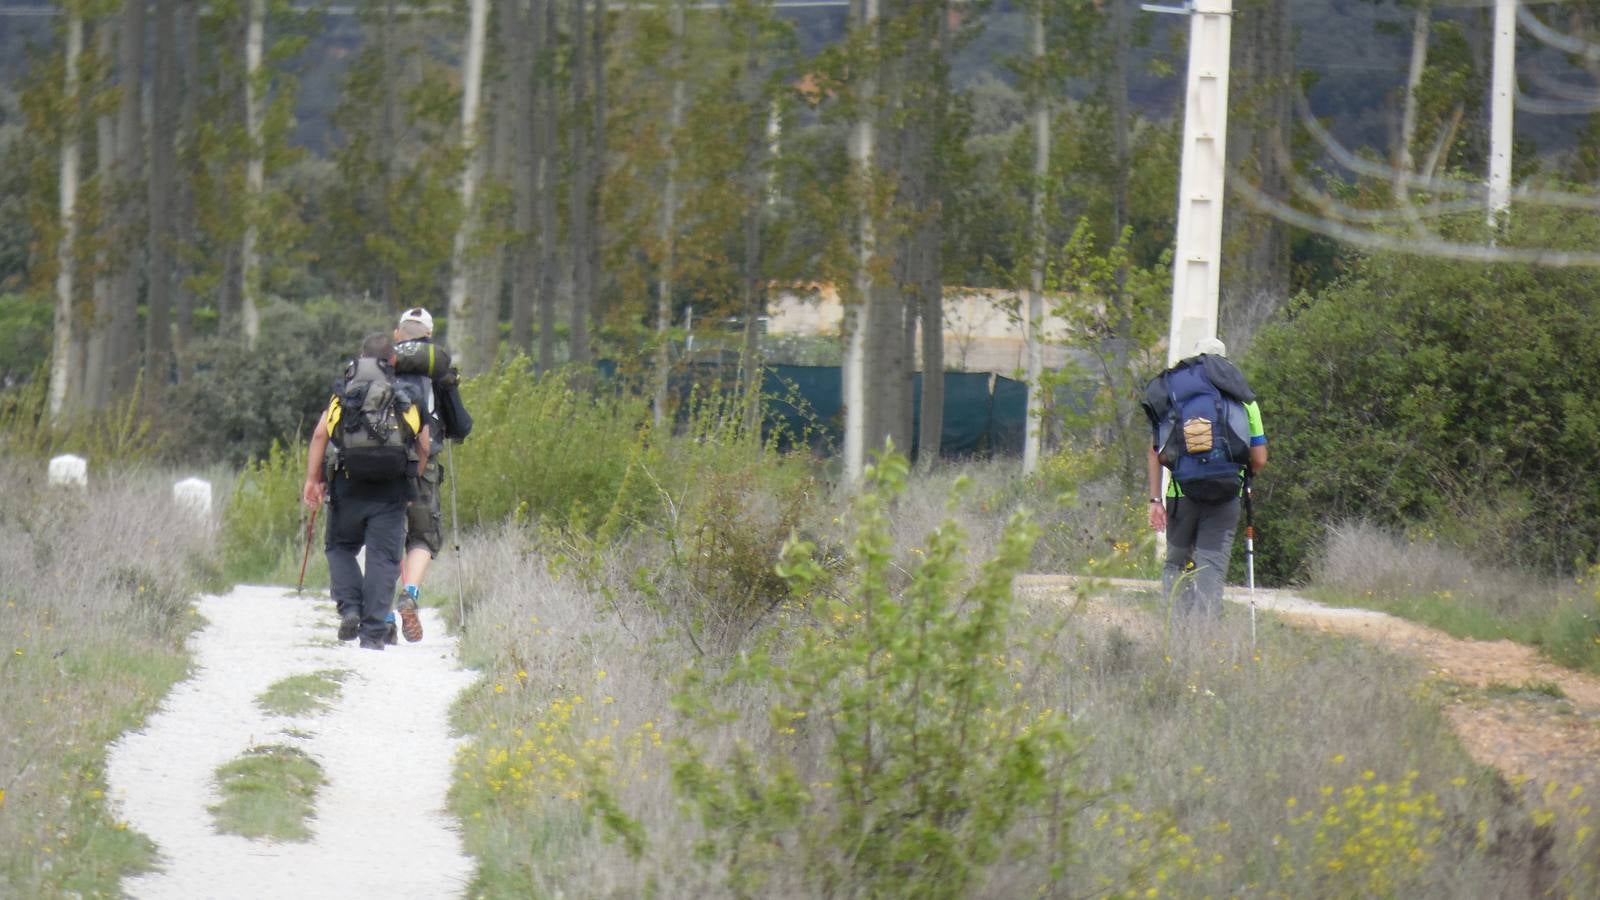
x=1197, y=259
x=1502, y=109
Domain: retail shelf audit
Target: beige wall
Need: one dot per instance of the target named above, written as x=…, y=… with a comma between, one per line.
x=981, y=330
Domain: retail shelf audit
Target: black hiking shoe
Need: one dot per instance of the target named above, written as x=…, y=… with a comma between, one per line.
x=410, y=622
x=371, y=644
x=391, y=634
x=349, y=625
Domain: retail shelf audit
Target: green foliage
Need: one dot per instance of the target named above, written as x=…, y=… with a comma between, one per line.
x=119, y=436
x=236, y=404
x=264, y=523
x=927, y=752
x=25, y=329
x=268, y=792
x=1457, y=395
x=542, y=450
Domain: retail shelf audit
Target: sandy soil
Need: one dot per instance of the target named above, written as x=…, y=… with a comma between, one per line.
x=1525, y=734
x=380, y=828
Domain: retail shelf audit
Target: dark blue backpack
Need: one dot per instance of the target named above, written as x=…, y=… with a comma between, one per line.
x=1203, y=435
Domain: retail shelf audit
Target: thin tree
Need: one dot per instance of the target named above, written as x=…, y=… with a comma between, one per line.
x=164, y=105
x=524, y=50
x=669, y=211
x=548, y=118
x=1034, y=320
x=461, y=347
x=254, y=175
x=863, y=143
x=62, y=361
x=582, y=191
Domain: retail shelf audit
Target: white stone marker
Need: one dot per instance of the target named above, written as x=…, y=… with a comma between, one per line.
x=193, y=495
x=70, y=470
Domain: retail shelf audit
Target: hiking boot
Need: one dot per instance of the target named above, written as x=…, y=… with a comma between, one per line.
x=349, y=624
x=371, y=644
x=410, y=622
x=391, y=634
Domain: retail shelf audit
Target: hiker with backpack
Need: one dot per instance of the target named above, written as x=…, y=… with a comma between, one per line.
x=425, y=368
x=367, y=447
x=1207, y=433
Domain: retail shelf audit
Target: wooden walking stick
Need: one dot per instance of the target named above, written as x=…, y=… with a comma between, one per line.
x=311, y=528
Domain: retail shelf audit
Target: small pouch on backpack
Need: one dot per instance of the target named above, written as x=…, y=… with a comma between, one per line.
x=1198, y=435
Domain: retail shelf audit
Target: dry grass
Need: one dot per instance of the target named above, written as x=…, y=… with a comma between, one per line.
x=97, y=593
x=1301, y=767
x=1422, y=578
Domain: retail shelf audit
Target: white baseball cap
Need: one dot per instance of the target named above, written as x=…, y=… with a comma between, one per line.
x=1210, y=345
x=420, y=316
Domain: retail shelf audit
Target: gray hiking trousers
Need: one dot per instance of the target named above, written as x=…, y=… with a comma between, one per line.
x=1201, y=533
x=378, y=523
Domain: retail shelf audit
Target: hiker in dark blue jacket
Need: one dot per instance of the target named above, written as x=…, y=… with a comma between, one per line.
x=1200, y=527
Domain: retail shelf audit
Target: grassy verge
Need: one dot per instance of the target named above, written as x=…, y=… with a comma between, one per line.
x=97, y=599
x=1301, y=766
x=1443, y=588
x=268, y=792
x=298, y=695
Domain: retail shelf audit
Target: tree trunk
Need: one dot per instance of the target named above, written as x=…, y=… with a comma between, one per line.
x=184, y=231
x=1421, y=26
x=597, y=169
x=857, y=324
x=461, y=339
x=525, y=272
x=669, y=211
x=930, y=251
x=62, y=358
x=1034, y=320
x=1255, y=260
x=254, y=177
x=549, y=116
x=94, y=390
x=163, y=135
x=582, y=187
x=752, y=278
x=123, y=341
x=388, y=145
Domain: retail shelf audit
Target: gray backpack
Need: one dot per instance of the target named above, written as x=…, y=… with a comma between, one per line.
x=372, y=434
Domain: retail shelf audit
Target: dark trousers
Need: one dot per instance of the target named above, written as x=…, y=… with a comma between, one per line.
x=1201, y=533
x=380, y=526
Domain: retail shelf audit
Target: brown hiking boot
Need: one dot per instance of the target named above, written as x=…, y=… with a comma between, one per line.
x=410, y=622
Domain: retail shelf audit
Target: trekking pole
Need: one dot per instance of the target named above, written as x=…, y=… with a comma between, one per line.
x=1250, y=554
x=455, y=537
x=311, y=528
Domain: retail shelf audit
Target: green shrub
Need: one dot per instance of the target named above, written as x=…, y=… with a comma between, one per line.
x=1426, y=391
x=264, y=523
x=235, y=404
x=928, y=753
x=542, y=450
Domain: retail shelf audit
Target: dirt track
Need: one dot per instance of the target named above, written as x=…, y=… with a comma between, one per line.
x=1521, y=728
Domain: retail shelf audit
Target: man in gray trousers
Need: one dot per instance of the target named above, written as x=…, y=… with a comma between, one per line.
x=367, y=508
x=1200, y=531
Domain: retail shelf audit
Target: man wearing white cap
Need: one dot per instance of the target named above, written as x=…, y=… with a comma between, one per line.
x=1206, y=429
x=426, y=368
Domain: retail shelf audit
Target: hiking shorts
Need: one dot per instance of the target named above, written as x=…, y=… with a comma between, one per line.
x=424, y=522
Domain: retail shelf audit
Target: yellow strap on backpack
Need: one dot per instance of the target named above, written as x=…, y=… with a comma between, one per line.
x=335, y=412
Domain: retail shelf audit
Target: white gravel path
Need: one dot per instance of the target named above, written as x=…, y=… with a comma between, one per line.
x=380, y=829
